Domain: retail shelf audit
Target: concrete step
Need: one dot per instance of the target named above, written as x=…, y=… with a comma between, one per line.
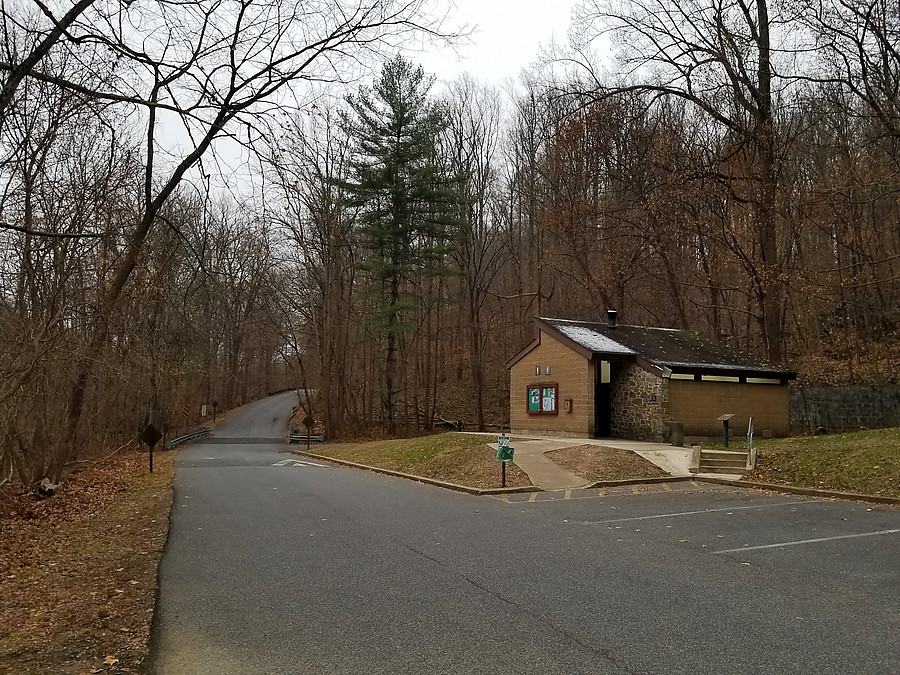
x=740, y=464
x=736, y=461
x=722, y=461
x=723, y=469
x=724, y=454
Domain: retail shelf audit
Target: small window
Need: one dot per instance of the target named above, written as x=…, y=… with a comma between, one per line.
x=542, y=399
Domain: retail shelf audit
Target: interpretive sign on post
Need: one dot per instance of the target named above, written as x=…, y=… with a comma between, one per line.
x=504, y=454
x=724, y=420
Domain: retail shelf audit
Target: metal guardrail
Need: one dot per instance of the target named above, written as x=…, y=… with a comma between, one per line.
x=190, y=436
x=302, y=438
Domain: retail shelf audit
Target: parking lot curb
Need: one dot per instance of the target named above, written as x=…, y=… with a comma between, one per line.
x=638, y=481
x=423, y=479
x=795, y=490
x=774, y=487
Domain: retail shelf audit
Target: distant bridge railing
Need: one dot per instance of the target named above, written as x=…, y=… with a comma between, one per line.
x=295, y=437
x=186, y=438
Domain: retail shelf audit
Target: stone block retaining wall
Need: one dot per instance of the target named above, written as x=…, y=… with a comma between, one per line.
x=844, y=408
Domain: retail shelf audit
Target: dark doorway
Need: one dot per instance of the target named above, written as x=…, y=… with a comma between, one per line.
x=603, y=401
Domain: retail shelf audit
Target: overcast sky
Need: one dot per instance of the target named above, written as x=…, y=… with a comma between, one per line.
x=508, y=37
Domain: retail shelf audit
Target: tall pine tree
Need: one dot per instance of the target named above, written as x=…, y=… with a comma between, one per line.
x=406, y=199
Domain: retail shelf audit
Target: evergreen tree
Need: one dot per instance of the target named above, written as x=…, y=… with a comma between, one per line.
x=406, y=199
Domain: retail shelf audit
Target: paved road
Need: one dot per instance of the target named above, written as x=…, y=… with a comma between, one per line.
x=275, y=567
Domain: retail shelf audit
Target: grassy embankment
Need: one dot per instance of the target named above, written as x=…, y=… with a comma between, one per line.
x=863, y=461
x=464, y=459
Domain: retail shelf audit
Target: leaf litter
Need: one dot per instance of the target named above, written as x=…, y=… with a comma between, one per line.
x=78, y=570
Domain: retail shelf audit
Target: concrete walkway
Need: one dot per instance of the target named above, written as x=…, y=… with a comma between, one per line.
x=544, y=473
x=676, y=461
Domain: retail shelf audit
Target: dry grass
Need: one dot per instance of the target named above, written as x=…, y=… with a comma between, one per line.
x=593, y=462
x=864, y=461
x=78, y=570
x=464, y=459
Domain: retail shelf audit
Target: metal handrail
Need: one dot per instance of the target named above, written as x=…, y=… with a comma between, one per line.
x=299, y=438
x=185, y=438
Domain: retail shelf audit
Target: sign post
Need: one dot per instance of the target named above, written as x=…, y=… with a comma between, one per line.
x=504, y=454
x=724, y=420
x=150, y=436
x=309, y=423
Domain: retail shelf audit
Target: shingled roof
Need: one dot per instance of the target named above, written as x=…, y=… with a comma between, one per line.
x=659, y=348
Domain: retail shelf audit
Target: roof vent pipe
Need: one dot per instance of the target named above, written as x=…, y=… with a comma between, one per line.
x=611, y=318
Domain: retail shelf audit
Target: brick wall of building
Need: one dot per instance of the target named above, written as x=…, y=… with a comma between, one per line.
x=698, y=404
x=575, y=376
x=639, y=405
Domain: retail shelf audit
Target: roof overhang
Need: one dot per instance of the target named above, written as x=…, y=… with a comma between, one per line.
x=522, y=354
x=543, y=327
x=566, y=340
x=658, y=368
x=784, y=375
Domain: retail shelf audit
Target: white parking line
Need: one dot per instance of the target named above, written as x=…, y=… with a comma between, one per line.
x=808, y=541
x=694, y=513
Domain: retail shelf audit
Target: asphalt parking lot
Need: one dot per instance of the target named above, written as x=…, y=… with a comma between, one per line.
x=838, y=539
x=282, y=565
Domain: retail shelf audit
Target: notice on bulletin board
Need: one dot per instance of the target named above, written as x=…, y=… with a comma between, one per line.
x=549, y=403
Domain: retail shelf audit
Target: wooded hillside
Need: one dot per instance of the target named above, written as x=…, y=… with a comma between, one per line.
x=732, y=169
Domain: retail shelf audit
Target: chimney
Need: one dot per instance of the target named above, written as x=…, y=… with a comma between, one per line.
x=611, y=318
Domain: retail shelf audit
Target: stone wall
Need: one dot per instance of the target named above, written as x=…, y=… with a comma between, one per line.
x=639, y=405
x=844, y=408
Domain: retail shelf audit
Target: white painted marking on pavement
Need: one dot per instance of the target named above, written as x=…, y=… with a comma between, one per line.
x=694, y=513
x=808, y=541
x=297, y=462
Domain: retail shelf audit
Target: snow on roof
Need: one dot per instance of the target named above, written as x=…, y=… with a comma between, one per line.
x=591, y=339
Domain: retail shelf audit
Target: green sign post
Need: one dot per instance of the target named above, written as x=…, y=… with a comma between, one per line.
x=504, y=454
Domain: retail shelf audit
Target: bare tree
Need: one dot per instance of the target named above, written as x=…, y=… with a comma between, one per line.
x=305, y=164
x=208, y=66
x=857, y=46
x=472, y=144
x=718, y=56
